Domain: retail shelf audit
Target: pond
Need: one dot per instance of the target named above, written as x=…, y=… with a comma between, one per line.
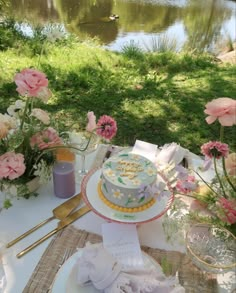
x=193, y=23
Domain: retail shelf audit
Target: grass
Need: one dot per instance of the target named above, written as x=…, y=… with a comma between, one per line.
x=155, y=97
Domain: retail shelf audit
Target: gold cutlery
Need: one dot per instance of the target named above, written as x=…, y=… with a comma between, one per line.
x=62, y=224
x=60, y=212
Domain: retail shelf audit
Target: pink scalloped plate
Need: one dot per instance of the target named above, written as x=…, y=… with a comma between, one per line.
x=92, y=199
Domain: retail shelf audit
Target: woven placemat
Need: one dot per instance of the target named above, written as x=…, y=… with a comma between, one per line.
x=190, y=277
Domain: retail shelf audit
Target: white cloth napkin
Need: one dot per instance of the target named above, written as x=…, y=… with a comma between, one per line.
x=172, y=154
x=145, y=149
x=97, y=266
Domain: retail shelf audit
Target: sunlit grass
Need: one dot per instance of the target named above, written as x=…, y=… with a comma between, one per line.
x=155, y=97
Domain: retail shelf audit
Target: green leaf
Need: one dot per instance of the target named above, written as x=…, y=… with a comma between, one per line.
x=104, y=185
x=7, y=204
x=121, y=181
x=123, y=155
x=15, y=140
x=141, y=199
x=108, y=165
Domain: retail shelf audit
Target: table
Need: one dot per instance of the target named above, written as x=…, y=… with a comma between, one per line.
x=27, y=213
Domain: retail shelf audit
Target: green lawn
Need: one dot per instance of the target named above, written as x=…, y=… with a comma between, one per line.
x=155, y=97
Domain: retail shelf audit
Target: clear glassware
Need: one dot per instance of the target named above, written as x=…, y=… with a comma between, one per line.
x=85, y=143
x=211, y=248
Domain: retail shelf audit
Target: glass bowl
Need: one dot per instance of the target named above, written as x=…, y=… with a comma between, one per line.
x=211, y=248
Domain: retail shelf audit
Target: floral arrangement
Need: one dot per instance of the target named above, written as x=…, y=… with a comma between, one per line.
x=25, y=134
x=214, y=201
x=28, y=138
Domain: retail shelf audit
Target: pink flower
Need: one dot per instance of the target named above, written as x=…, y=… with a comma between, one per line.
x=230, y=164
x=229, y=210
x=223, y=109
x=11, y=165
x=91, y=122
x=106, y=127
x=32, y=83
x=45, y=139
x=215, y=149
x=41, y=115
x=187, y=185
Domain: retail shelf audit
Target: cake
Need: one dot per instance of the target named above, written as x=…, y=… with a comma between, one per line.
x=127, y=182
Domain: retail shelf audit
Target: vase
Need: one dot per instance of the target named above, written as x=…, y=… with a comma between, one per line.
x=10, y=189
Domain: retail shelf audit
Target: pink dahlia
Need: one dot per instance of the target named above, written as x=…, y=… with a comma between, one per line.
x=106, y=127
x=215, y=149
x=32, y=83
x=223, y=109
x=45, y=139
x=11, y=165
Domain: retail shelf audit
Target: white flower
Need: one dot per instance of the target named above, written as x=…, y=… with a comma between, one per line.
x=13, y=109
x=109, y=172
x=136, y=181
x=150, y=171
x=7, y=121
x=43, y=171
x=117, y=193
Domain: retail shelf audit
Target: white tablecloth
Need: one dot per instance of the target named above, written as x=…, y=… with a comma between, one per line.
x=27, y=213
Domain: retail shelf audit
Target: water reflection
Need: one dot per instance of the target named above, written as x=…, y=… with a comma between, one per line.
x=199, y=22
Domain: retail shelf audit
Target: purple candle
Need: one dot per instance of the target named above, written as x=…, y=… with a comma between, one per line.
x=64, y=179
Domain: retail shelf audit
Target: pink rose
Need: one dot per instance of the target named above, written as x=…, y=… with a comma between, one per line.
x=45, y=139
x=230, y=164
x=32, y=83
x=11, y=165
x=91, y=122
x=223, y=109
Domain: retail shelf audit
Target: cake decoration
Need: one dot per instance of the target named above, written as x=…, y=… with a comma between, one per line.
x=128, y=181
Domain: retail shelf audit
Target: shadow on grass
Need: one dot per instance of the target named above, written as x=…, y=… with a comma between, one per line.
x=169, y=105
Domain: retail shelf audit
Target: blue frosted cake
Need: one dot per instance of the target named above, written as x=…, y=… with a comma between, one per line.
x=127, y=182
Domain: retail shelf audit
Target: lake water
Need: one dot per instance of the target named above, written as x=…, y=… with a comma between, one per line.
x=195, y=23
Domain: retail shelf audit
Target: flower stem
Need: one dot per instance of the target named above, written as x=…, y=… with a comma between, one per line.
x=226, y=174
x=218, y=177
x=208, y=185
x=221, y=133
x=24, y=114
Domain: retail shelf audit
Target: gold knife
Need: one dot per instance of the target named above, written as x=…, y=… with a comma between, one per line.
x=62, y=224
x=60, y=212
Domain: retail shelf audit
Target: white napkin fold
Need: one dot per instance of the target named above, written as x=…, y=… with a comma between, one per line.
x=97, y=266
x=172, y=154
x=145, y=149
